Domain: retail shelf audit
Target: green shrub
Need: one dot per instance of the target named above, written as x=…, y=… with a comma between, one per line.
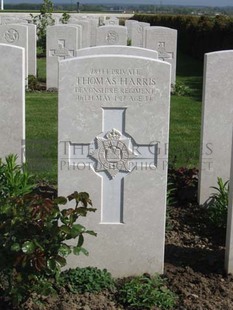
x=90, y=279
x=65, y=18
x=33, y=233
x=180, y=89
x=146, y=292
x=217, y=209
x=197, y=35
x=42, y=21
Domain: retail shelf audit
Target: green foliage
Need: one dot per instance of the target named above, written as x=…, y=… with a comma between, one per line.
x=217, y=209
x=129, y=42
x=33, y=83
x=90, y=279
x=43, y=20
x=65, y=18
x=33, y=233
x=146, y=292
x=180, y=89
x=14, y=179
x=197, y=34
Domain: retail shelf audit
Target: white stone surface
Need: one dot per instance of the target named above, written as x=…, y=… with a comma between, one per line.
x=17, y=35
x=112, y=21
x=113, y=120
x=217, y=119
x=137, y=34
x=164, y=41
x=62, y=42
x=32, y=43
x=111, y=35
x=14, y=20
x=12, y=101
x=94, y=24
x=129, y=25
x=229, y=233
x=86, y=30
x=117, y=50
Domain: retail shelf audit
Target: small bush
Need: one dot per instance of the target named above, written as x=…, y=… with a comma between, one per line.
x=217, y=209
x=146, y=292
x=90, y=279
x=180, y=89
x=33, y=234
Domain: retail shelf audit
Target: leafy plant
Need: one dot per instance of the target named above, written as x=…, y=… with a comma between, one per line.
x=65, y=18
x=180, y=89
x=14, y=179
x=90, y=279
x=43, y=20
x=33, y=233
x=33, y=83
x=217, y=209
x=145, y=292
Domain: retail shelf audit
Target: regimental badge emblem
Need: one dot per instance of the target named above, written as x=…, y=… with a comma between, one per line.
x=112, y=37
x=11, y=35
x=113, y=153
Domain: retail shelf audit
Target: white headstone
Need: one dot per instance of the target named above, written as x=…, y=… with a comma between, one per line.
x=112, y=21
x=117, y=50
x=17, y=35
x=129, y=25
x=62, y=42
x=12, y=101
x=113, y=119
x=86, y=30
x=137, y=34
x=217, y=118
x=32, y=43
x=164, y=41
x=111, y=35
x=13, y=20
x=229, y=234
x=94, y=24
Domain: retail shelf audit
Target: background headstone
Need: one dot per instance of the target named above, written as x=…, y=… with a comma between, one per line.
x=217, y=119
x=137, y=34
x=32, y=44
x=113, y=118
x=12, y=101
x=112, y=21
x=17, y=35
x=164, y=41
x=129, y=25
x=111, y=35
x=62, y=43
x=86, y=30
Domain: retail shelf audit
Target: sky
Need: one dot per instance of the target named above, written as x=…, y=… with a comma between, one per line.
x=164, y=2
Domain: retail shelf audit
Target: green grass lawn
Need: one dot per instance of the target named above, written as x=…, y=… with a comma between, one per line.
x=185, y=123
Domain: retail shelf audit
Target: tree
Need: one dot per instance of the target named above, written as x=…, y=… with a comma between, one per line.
x=43, y=20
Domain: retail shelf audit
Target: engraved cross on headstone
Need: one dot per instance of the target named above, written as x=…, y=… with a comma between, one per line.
x=61, y=52
x=115, y=154
x=162, y=53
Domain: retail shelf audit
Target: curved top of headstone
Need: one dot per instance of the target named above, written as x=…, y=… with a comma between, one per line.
x=118, y=50
x=158, y=28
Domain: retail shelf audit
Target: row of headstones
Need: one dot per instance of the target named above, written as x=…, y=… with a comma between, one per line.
x=65, y=41
x=22, y=36
x=113, y=118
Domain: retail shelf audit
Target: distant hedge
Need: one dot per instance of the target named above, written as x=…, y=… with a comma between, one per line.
x=196, y=35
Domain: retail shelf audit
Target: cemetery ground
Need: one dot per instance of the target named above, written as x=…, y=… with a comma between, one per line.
x=194, y=255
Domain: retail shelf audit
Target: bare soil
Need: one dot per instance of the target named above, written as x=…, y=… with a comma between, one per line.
x=194, y=269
